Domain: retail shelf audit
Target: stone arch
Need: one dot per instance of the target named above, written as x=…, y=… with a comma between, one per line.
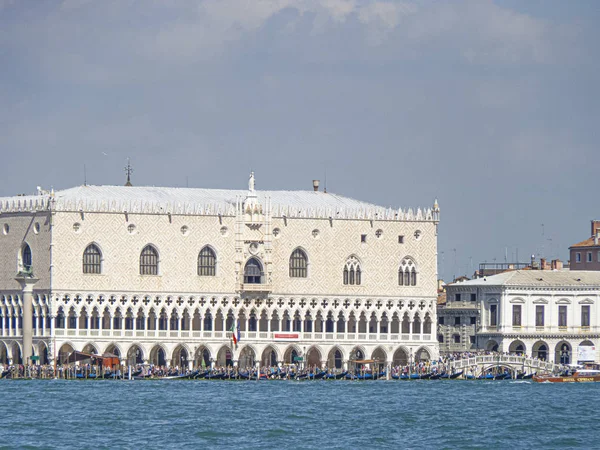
x=158, y=355
x=400, y=357
x=491, y=345
x=225, y=356
x=135, y=355
x=540, y=350
x=313, y=357
x=3, y=353
x=181, y=356
x=563, y=353
x=42, y=353
x=247, y=357
x=270, y=356
x=335, y=358
x=422, y=354
x=114, y=349
x=63, y=352
x=358, y=352
x=379, y=354
x=202, y=356
x=291, y=352
x=517, y=348
x=90, y=348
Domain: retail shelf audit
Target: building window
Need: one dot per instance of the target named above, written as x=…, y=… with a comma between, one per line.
x=562, y=316
x=456, y=338
x=441, y=338
x=400, y=239
x=516, y=321
x=92, y=259
x=493, y=315
x=598, y=256
x=298, y=264
x=589, y=257
x=578, y=257
x=407, y=273
x=585, y=315
x=363, y=238
x=149, y=261
x=539, y=315
x=457, y=297
x=457, y=320
x=352, y=273
x=26, y=259
x=472, y=339
x=473, y=320
x=473, y=297
x=253, y=272
x=441, y=320
x=207, y=262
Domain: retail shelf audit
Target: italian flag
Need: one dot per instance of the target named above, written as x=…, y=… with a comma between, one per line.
x=235, y=341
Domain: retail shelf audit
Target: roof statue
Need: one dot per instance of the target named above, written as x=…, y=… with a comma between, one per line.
x=251, y=182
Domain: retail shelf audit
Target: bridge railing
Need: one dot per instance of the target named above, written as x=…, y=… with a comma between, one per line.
x=504, y=360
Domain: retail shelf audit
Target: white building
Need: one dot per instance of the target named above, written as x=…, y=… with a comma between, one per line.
x=546, y=314
x=160, y=275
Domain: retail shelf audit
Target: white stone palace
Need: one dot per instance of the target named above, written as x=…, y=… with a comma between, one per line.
x=548, y=314
x=162, y=275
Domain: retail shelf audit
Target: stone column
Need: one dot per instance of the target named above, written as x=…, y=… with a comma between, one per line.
x=27, y=282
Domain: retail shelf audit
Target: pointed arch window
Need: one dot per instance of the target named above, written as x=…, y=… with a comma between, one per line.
x=407, y=273
x=352, y=272
x=207, y=262
x=149, y=261
x=253, y=272
x=26, y=258
x=92, y=259
x=298, y=264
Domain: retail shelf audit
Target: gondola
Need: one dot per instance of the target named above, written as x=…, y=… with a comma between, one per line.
x=528, y=376
x=318, y=376
x=435, y=376
x=200, y=375
x=5, y=373
x=445, y=376
x=336, y=376
x=456, y=375
x=184, y=376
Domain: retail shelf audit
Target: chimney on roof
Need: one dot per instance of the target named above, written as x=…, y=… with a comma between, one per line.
x=597, y=237
x=556, y=264
x=543, y=264
x=316, y=185
x=595, y=227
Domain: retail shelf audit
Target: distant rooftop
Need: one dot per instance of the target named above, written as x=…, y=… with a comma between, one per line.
x=538, y=278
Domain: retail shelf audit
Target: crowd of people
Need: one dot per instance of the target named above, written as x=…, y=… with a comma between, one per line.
x=443, y=365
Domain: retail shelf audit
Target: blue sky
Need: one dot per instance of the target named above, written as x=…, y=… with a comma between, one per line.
x=491, y=107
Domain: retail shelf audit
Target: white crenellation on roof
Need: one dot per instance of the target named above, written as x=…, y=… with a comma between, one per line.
x=210, y=202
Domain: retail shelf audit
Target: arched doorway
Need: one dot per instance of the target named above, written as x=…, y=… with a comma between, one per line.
x=3, y=353
x=313, y=358
x=247, y=358
x=180, y=357
x=291, y=355
x=540, y=350
x=42, y=353
x=335, y=358
x=491, y=346
x=269, y=357
x=563, y=353
x=379, y=358
x=90, y=349
x=422, y=355
x=113, y=350
x=202, y=357
x=357, y=355
x=586, y=352
x=158, y=356
x=135, y=355
x=516, y=348
x=63, y=353
x=225, y=357
x=400, y=358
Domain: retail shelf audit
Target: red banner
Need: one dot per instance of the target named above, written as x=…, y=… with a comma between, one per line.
x=287, y=336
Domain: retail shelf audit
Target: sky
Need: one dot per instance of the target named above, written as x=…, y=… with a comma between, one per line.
x=492, y=107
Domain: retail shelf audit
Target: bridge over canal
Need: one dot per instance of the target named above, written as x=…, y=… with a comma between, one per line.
x=481, y=364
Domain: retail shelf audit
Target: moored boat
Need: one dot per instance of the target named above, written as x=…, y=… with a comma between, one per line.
x=580, y=376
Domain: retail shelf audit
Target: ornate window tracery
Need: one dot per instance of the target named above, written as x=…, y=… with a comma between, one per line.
x=352, y=273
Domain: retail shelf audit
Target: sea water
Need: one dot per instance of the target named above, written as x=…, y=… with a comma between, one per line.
x=298, y=414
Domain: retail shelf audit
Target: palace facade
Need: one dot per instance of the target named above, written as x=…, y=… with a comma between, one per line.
x=165, y=275
x=547, y=314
